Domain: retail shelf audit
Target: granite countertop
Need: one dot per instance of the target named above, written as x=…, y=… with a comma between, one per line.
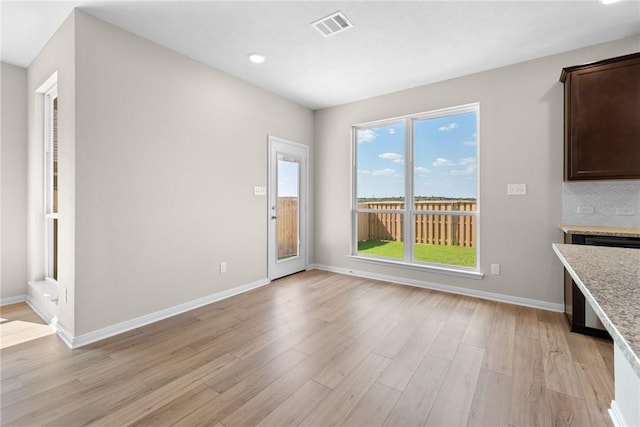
x=594, y=230
x=609, y=278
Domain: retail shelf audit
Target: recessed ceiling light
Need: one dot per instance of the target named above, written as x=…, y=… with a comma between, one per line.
x=256, y=58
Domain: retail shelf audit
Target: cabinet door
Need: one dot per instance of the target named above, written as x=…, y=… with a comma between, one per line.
x=603, y=122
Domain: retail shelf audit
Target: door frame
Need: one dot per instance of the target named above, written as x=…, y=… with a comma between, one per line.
x=304, y=198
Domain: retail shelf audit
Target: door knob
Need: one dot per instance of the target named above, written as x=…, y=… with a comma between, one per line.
x=274, y=217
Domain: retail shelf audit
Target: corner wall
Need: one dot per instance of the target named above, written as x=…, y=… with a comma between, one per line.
x=13, y=179
x=167, y=153
x=521, y=141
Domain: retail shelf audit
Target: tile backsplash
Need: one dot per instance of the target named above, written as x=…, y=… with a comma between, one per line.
x=608, y=203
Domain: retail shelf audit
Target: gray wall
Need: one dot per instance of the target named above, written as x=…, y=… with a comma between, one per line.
x=167, y=153
x=521, y=141
x=13, y=179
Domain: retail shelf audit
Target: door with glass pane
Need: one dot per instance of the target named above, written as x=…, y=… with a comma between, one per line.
x=287, y=207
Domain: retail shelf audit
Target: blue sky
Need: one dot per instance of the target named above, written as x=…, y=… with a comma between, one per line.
x=445, y=158
x=288, y=178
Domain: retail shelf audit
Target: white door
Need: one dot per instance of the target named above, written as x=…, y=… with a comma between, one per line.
x=287, y=207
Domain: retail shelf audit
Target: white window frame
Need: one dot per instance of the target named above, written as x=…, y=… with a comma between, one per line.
x=49, y=215
x=409, y=212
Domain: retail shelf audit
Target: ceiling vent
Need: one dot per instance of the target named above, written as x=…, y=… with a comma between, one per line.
x=332, y=24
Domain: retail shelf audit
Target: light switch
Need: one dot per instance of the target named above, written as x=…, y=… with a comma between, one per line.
x=259, y=191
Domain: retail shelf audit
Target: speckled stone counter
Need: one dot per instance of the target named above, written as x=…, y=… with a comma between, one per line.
x=600, y=231
x=609, y=278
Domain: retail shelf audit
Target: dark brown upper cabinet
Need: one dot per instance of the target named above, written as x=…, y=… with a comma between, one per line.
x=602, y=119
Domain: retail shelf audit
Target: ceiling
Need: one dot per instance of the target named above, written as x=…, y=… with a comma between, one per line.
x=394, y=45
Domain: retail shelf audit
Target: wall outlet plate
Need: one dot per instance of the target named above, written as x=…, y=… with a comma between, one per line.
x=516, y=189
x=582, y=210
x=495, y=269
x=625, y=211
x=259, y=191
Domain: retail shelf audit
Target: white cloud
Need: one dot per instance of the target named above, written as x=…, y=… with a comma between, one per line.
x=399, y=161
x=386, y=171
x=470, y=143
x=468, y=161
x=448, y=127
x=471, y=168
x=422, y=170
x=392, y=131
x=366, y=135
x=442, y=162
x=390, y=156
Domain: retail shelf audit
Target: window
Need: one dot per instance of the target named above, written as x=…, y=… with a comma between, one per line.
x=51, y=182
x=416, y=190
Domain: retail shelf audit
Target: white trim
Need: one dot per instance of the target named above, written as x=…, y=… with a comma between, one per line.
x=441, y=112
x=50, y=95
x=447, y=269
x=37, y=308
x=526, y=302
x=100, y=334
x=64, y=335
x=49, y=83
x=128, y=325
x=48, y=288
x=13, y=300
x=52, y=321
x=616, y=416
x=408, y=213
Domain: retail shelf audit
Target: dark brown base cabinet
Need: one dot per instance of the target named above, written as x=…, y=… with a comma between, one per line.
x=602, y=119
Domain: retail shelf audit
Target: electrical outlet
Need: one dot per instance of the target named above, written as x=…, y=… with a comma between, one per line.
x=495, y=269
x=625, y=211
x=223, y=267
x=516, y=189
x=585, y=210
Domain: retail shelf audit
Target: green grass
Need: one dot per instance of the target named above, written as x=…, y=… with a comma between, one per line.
x=452, y=255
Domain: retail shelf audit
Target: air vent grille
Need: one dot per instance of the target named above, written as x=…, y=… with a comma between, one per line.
x=332, y=24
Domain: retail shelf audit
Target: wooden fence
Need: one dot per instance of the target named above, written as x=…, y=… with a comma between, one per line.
x=287, y=227
x=435, y=229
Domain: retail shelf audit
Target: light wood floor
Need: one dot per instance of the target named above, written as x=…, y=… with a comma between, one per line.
x=316, y=349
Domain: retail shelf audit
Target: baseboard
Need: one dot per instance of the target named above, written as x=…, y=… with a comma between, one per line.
x=12, y=300
x=616, y=416
x=543, y=305
x=42, y=313
x=109, y=331
x=52, y=321
x=100, y=334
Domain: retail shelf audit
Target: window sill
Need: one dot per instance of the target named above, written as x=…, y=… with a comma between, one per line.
x=47, y=288
x=450, y=271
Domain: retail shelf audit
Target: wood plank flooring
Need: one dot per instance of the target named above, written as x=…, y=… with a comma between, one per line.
x=314, y=349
